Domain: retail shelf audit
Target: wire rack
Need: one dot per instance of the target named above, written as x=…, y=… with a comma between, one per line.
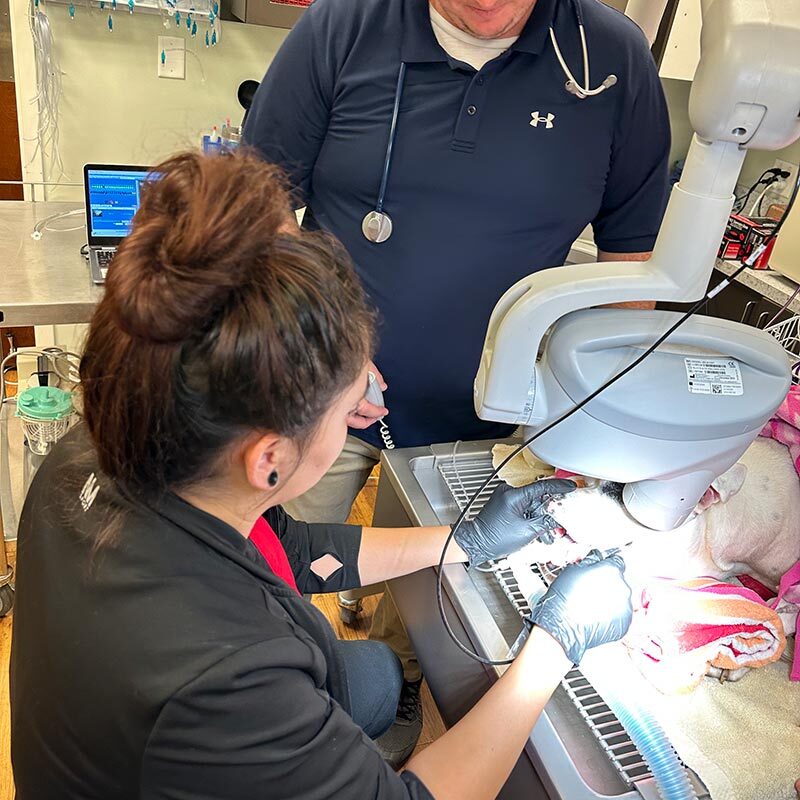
x=464, y=475
x=788, y=334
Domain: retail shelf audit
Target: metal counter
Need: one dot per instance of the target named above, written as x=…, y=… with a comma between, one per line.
x=578, y=750
x=44, y=282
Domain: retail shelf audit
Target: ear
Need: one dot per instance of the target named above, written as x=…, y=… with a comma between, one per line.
x=724, y=487
x=262, y=456
x=730, y=482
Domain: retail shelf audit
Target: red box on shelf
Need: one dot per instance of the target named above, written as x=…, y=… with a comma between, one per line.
x=756, y=237
x=743, y=235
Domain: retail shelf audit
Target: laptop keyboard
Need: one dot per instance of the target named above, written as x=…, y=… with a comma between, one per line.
x=104, y=257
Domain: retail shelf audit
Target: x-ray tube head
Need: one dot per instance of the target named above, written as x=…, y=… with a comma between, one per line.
x=664, y=505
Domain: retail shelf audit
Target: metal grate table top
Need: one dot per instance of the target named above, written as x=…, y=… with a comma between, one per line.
x=464, y=475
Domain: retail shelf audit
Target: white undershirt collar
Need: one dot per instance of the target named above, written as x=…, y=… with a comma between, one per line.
x=463, y=46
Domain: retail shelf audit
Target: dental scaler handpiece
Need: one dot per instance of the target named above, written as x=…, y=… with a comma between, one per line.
x=374, y=395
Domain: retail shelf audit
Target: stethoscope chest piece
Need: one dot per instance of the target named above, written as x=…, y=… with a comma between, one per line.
x=377, y=226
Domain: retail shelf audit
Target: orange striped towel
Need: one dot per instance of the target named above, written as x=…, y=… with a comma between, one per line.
x=683, y=627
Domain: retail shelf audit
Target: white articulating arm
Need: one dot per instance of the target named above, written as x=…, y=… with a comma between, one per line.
x=678, y=271
x=746, y=94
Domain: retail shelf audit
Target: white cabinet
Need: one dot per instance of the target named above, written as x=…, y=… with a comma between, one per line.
x=682, y=51
x=786, y=255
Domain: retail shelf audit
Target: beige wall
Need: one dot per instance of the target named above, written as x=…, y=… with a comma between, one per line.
x=114, y=108
x=759, y=160
x=677, y=94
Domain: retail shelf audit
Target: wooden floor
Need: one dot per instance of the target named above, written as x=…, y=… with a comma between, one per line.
x=362, y=515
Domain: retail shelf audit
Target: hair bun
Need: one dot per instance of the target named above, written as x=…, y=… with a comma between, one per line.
x=202, y=232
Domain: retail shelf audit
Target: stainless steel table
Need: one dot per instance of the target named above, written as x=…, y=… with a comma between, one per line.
x=577, y=750
x=44, y=282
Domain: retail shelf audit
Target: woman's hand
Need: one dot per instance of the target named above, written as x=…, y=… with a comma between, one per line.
x=368, y=413
x=587, y=605
x=510, y=520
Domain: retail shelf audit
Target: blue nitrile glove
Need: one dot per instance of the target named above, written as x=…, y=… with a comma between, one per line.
x=510, y=519
x=587, y=605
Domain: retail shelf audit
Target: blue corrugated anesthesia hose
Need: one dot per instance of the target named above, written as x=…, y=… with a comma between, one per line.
x=643, y=728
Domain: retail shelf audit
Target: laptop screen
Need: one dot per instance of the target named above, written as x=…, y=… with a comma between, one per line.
x=112, y=198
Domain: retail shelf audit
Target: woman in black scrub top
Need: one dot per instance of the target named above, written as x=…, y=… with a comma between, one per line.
x=162, y=646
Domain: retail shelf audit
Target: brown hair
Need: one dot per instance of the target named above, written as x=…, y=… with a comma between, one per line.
x=219, y=318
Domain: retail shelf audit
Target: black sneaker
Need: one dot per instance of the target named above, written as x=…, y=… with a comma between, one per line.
x=398, y=743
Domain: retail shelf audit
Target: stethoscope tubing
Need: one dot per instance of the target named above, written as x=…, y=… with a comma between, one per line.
x=387, y=162
x=572, y=86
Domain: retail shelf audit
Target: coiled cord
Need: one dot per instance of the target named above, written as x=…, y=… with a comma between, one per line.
x=386, y=435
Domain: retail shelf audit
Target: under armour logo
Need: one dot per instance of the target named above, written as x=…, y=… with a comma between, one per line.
x=536, y=118
x=89, y=492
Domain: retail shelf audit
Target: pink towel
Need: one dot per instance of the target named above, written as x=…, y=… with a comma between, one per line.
x=784, y=427
x=789, y=595
x=787, y=604
x=685, y=626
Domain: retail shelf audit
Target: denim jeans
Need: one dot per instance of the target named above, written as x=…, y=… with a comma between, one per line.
x=374, y=680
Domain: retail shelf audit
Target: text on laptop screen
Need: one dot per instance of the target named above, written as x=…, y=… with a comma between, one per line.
x=114, y=199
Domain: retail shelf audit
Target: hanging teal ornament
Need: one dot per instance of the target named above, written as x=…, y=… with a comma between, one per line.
x=213, y=37
x=113, y=5
x=130, y=6
x=216, y=9
x=163, y=57
x=194, y=28
x=102, y=4
x=110, y=23
x=177, y=18
x=188, y=22
x=72, y=11
x=206, y=38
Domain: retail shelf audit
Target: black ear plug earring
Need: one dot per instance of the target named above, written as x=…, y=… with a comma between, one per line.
x=272, y=480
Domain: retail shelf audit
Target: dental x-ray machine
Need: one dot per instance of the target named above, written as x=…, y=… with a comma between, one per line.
x=686, y=414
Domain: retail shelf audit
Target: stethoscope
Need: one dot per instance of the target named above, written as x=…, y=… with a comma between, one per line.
x=377, y=224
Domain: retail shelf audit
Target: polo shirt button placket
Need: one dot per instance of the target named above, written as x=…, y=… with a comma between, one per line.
x=467, y=125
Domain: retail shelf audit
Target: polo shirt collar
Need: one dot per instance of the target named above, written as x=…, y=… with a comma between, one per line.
x=535, y=33
x=419, y=44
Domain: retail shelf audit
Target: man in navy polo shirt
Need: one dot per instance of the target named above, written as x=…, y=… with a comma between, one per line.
x=496, y=169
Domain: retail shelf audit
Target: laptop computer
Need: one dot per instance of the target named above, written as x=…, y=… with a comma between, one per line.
x=112, y=198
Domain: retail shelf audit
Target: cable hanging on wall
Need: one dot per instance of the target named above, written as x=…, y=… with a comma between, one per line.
x=197, y=18
x=48, y=90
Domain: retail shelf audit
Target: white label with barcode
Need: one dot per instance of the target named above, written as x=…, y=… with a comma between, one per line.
x=720, y=376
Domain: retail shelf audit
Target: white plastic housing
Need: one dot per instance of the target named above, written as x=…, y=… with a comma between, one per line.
x=661, y=429
x=747, y=85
